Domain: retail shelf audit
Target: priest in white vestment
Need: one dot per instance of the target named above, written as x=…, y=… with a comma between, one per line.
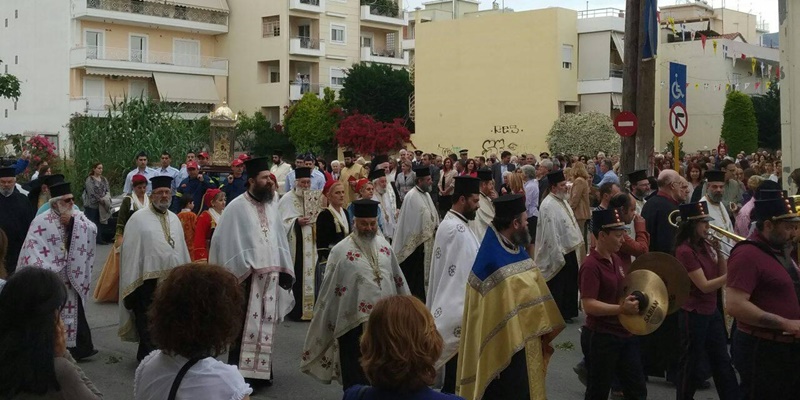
x=384, y=195
x=361, y=270
x=413, y=238
x=298, y=210
x=349, y=175
x=251, y=243
x=715, y=192
x=63, y=241
x=280, y=169
x=640, y=187
x=152, y=246
x=485, y=214
x=558, y=239
x=455, y=249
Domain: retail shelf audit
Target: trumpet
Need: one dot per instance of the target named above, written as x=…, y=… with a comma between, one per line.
x=674, y=219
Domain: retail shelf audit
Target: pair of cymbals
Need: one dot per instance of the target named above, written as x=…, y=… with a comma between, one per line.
x=650, y=291
x=671, y=272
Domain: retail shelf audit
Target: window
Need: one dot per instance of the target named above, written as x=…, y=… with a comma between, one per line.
x=337, y=77
x=186, y=52
x=271, y=26
x=274, y=75
x=6, y=113
x=53, y=139
x=366, y=41
x=6, y=22
x=566, y=56
x=15, y=106
x=16, y=15
x=138, y=89
x=338, y=34
x=16, y=60
x=138, y=48
x=94, y=92
x=94, y=44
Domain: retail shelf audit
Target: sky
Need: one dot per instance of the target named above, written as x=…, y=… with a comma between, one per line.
x=767, y=9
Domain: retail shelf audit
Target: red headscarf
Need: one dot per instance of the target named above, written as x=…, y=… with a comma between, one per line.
x=138, y=179
x=209, y=196
x=360, y=184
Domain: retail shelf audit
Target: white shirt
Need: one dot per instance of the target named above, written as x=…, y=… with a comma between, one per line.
x=148, y=173
x=208, y=379
x=171, y=172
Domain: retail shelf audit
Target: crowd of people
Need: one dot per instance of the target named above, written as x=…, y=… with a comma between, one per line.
x=415, y=270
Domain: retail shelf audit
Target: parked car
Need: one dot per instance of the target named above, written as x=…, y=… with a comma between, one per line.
x=108, y=230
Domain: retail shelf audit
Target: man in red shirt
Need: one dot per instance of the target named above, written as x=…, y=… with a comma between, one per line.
x=608, y=348
x=632, y=247
x=762, y=294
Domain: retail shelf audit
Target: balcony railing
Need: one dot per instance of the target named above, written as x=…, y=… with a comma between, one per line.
x=150, y=57
x=385, y=10
x=602, y=12
x=307, y=46
x=615, y=70
x=309, y=43
x=381, y=52
x=310, y=2
x=297, y=89
x=162, y=10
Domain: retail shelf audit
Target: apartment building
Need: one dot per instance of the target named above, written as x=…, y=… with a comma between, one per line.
x=80, y=56
x=600, y=60
x=281, y=49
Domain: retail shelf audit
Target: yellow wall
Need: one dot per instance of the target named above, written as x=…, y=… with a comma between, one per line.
x=476, y=77
x=159, y=40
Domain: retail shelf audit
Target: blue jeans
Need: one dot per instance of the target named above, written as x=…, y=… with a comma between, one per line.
x=704, y=334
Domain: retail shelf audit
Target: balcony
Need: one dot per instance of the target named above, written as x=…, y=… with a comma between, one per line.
x=611, y=85
x=381, y=15
x=313, y=6
x=305, y=46
x=391, y=57
x=150, y=13
x=409, y=44
x=298, y=89
x=152, y=61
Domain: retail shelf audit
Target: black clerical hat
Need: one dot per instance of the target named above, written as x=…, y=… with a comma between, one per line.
x=60, y=189
x=422, y=172
x=365, y=208
x=51, y=180
x=715, y=176
x=695, y=211
x=509, y=206
x=376, y=173
x=379, y=159
x=555, y=177
x=349, y=154
x=163, y=181
x=256, y=165
x=302, y=172
x=418, y=152
x=8, y=172
x=776, y=209
x=278, y=153
x=485, y=174
x=636, y=176
x=467, y=185
x=607, y=219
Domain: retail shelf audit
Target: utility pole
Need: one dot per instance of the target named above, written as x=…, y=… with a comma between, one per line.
x=630, y=82
x=646, y=92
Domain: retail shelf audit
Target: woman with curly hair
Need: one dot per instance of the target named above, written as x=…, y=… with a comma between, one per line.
x=398, y=350
x=195, y=315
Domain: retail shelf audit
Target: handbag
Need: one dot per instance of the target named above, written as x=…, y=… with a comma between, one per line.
x=173, y=391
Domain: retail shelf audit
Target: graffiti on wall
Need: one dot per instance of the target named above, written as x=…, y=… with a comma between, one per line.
x=497, y=146
x=506, y=129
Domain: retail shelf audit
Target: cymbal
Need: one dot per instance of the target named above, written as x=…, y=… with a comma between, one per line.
x=671, y=272
x=653, y=302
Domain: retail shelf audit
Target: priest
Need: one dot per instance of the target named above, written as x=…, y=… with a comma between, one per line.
x=558, y=240
x=349, y=175
x=16, y=214
x=362, y=269
x=506, y=332
x=455, y=247
x=715, y=192
x=384, y=195
x=152, y=246
x=280, y=169
x=63, y=241
x=640, y=188
x=413, y=238
x=298, y=210
x=485, y=213
x=251, y=243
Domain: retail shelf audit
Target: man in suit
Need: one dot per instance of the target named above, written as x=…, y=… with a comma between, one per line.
x=498, y=169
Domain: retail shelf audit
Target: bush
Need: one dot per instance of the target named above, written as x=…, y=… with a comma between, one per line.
x=739, y=126
x=583, y=133
x=259, y=136
x=311, y=124
x=365, y=135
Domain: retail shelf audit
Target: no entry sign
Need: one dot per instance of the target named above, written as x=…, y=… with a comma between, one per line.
x=678, y=119
x=626, y=123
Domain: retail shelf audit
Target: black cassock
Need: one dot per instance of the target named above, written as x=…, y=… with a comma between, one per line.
x=329, y=233
x=16, y=214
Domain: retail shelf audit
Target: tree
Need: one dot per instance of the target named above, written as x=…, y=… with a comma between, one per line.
x=739, y=126
x=388, y=8
x=377, y=90
x=365, y=135
x=583, y=134
x=311, y=123
x=768, y=115
x=9, y=86
x=260, y=136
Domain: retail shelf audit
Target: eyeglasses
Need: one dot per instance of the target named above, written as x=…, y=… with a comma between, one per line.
x=69, y=200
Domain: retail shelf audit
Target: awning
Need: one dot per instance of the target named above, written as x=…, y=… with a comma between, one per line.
x=184, y=88
x=619, y=44
x=118, y=72
x=213, y=5
x=616, y=101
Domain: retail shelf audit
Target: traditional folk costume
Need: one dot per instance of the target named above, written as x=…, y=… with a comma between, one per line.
x=67, y=250
x=413, y=238
x=280, y=170
x=351, y=174
x=509, y=321
x=251, y=243
x=189, y=223
x=558, y=239
x=485, y=214
x=204, y=229
x=455, y=248
x=16, y=214
x=387, y=203
x=360, y=272
x=152, y=246
x=300, y=203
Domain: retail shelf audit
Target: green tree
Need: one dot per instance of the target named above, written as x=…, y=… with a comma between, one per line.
x=311, y=124
x=388, y=8
x=583, y=134
x=9, y=86
x=377, y=90
x=739, y=126
x=768, y=115
x=261, y=136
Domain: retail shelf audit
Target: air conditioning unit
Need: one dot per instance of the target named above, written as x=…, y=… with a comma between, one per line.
x=115, y=78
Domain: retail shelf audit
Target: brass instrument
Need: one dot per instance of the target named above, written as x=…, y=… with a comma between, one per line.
x=716, y=232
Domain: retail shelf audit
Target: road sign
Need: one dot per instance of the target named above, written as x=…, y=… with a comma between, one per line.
x=626, y=123
x=678, y=119
x=677, y=84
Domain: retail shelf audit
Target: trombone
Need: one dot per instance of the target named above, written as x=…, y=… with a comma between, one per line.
x=718, y=233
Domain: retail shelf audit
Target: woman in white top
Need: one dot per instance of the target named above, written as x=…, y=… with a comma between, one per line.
x=189, y=342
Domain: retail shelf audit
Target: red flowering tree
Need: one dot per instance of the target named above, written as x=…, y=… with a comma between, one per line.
x=40, y=149
x=365, y=135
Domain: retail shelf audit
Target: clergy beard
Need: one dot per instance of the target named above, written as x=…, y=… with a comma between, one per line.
x=425, y=188
x=262, y=193
x=470, y=215
x=714, y=197
x=348, y=164
x=162, y=204
x=365, y=240
x=366, y=235
x=7, y=192
x=563, y=195
x=380, y=190
x=521, y=237
x=300, y=191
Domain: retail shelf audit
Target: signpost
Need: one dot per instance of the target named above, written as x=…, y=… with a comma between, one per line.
x=678, y=115
x=626, y=124
x=678, y=119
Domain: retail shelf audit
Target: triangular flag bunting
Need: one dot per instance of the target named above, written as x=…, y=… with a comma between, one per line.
x=757, y=85
x=746, y=85
x=703, y=41
x=753, y=63
x=714, y=44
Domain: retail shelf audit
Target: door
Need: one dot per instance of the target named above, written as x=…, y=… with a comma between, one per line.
x=366, y=41
x=304, y=33
x=94, y=44
x=138, y=89
x=94, y=92
x=138, y=48
x=186, y=53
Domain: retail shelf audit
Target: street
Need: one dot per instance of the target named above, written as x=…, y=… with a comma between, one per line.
x=112, y=370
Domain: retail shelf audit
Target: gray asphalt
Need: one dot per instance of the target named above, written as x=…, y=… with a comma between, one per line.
x=112, y=370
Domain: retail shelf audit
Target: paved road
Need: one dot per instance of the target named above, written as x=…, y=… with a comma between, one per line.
x=113, y=368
